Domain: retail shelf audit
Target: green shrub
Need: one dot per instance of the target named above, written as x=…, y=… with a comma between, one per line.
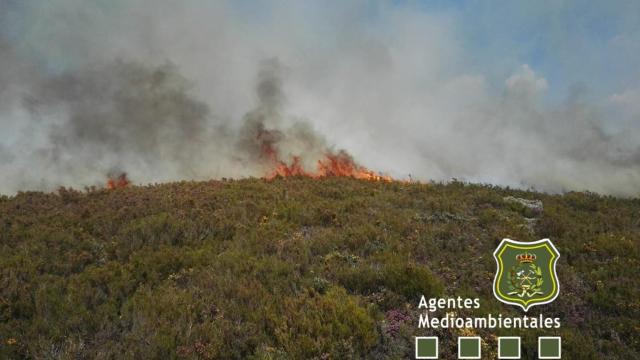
x=296, y=268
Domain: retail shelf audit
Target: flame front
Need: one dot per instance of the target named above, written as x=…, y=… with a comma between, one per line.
x=332, y=164
x=116, y=182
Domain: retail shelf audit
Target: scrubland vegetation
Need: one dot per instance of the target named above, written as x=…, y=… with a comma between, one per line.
x=299, y=268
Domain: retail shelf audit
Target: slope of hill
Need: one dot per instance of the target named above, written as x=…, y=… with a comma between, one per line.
x=299, y=268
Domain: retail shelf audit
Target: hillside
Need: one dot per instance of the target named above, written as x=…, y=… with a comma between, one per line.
x=299, y=268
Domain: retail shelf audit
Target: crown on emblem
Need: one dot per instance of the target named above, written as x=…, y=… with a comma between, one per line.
x=525, y=258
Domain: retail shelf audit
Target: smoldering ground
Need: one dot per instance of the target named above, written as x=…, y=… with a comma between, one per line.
x=168, y=91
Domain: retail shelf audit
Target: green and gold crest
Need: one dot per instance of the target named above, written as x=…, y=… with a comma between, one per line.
x=526, y=273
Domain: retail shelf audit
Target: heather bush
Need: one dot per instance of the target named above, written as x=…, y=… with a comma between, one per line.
x=297, y=268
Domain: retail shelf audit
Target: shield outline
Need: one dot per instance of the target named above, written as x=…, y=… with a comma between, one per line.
x=522, y=245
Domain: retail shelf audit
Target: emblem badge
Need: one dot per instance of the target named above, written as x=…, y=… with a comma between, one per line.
x=526, y=273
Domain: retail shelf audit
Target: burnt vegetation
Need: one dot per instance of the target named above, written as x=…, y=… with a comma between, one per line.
x=298, y=268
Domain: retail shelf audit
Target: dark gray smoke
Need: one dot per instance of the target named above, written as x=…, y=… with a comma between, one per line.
x=122, y=113
x=255, y=135
x=126, y=118
x=267, y=134
x=117, y=117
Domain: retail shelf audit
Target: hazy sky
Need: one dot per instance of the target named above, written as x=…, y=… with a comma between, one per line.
x=542, y=94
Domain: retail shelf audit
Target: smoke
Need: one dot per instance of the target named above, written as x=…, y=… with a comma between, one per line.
x=268, y=135
x=123, y=110
x=183, y=90
x=101, y=121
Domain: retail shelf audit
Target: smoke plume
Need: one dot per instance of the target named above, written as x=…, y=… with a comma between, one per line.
x=166, y=91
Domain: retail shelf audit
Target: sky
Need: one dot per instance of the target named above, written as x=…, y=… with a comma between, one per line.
x=531, y=94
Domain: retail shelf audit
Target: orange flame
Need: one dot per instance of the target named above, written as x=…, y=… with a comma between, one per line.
x=332, y=164
x=117, y=182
